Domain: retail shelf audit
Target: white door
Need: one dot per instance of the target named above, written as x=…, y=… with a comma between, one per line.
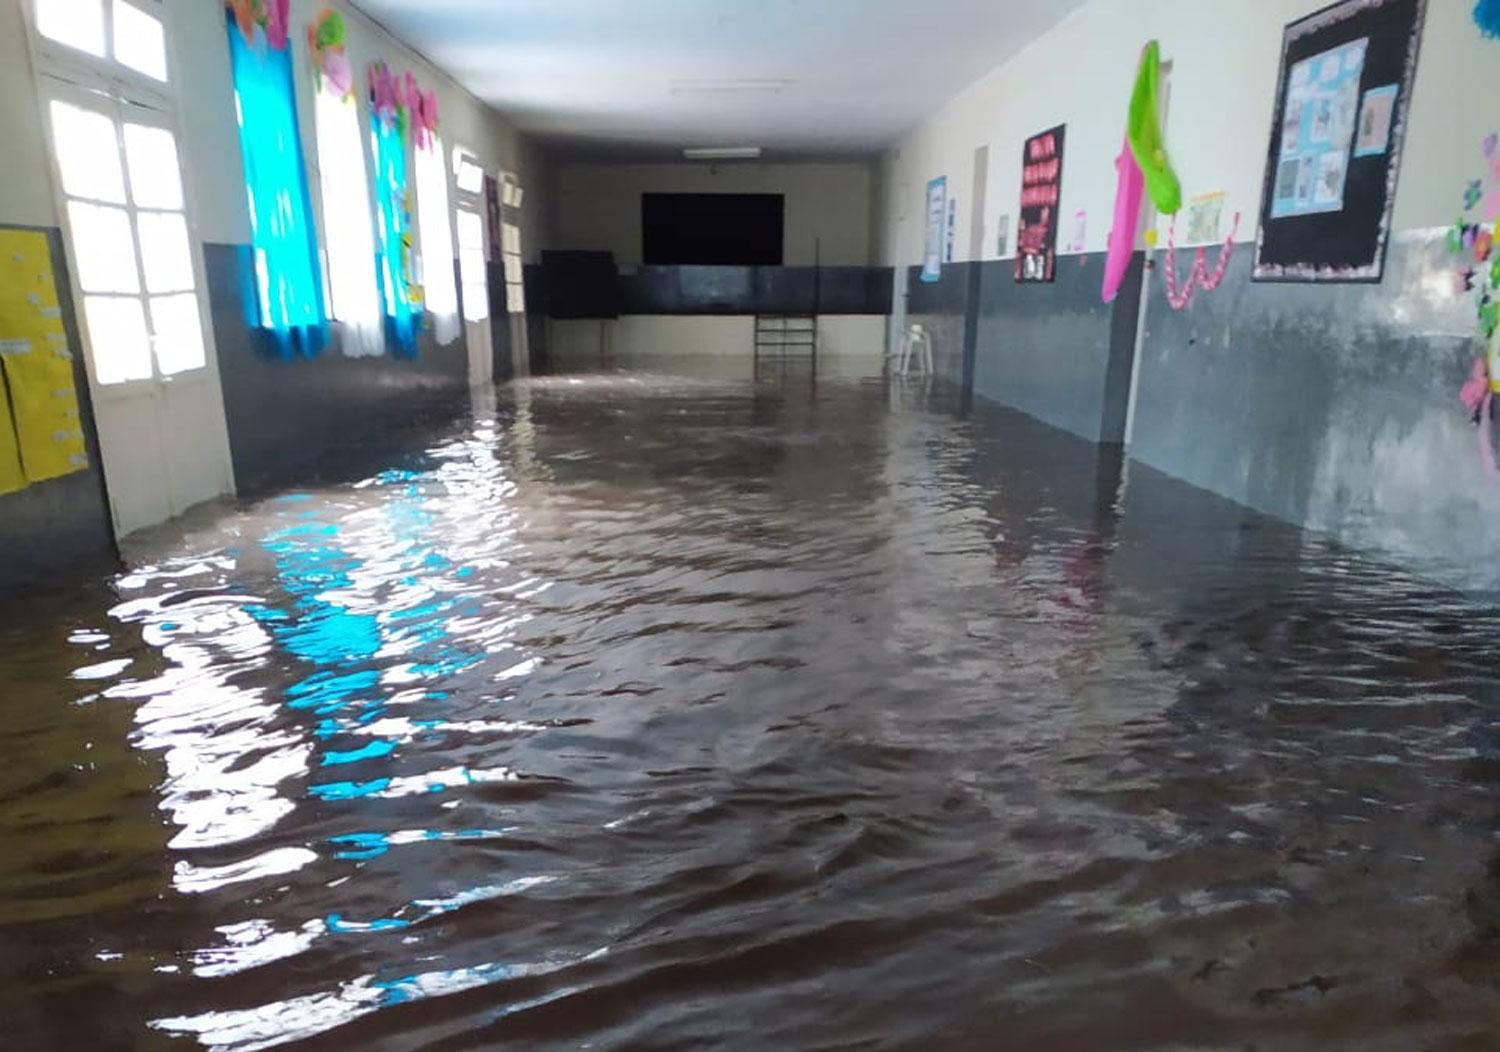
x=137, y=275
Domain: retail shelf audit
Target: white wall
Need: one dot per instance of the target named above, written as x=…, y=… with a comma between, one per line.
x=1225, y=57
x=210, y=140
x=26, y=187
x=598, y=206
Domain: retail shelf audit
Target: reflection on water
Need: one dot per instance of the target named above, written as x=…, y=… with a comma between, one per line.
x=641, y=712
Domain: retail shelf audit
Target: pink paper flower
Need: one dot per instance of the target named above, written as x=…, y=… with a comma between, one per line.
x=339, y=72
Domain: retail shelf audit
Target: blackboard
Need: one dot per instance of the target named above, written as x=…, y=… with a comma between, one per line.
x=1330, y=232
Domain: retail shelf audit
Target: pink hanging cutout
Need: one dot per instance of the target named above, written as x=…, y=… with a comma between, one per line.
x=1131, y=186
x=1198, y=276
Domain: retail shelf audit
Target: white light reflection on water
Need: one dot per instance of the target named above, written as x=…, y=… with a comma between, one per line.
x=299, y=1018
x=350, y=643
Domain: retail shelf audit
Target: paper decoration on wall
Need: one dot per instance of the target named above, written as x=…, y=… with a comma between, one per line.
x=12, y=478
x=1472, y=242
x=1341, y=107
x=1142, y=150
x=1143, y=132
x=325, y=42
x=400, y=297
x=1002, y=235
x=284, y=240
x=1130, y=188
x=41, y=431
x=1205, y=214
x=1198, y=277
x=1487, y=18
x=424, y=109
x=1376, y=115
x=268, y=20
x=1041, y=191
x=1079, y=239
x=937, y=211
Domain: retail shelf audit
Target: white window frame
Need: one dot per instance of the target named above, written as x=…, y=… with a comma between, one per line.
x=511, y=254
x=465, y=203
x=69, y=75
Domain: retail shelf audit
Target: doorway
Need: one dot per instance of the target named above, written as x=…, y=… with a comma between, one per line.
x=136, y=266
x=473, y=269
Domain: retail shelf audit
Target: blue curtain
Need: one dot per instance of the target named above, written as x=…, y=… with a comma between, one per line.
x=289, y=286
x=402, y=323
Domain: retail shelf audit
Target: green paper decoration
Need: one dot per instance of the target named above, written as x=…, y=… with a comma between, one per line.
x=1144, y=134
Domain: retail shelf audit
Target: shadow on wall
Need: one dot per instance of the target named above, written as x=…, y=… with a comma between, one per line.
x=291, y=421
x=1052, y=350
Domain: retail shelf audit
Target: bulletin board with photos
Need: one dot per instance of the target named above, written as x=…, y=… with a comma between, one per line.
x=1341, y=106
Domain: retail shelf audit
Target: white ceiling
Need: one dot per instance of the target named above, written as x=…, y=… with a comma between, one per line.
x=819, y=78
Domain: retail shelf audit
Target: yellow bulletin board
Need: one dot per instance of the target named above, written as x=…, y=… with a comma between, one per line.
x=42, y=420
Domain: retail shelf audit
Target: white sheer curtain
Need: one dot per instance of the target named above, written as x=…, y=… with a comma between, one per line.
x=435, y=226
x=348, y=226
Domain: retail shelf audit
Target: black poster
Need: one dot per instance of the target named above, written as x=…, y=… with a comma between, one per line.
x=1341, y=107
x=1041, y=190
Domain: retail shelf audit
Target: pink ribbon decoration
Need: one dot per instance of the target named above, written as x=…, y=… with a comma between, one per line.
x=1198, y=275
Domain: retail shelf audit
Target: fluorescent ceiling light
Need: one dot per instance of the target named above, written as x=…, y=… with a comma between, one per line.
x=722, y=153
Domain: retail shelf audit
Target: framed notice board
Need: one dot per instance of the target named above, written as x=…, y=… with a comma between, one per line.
x=1342, y=101
x=1041, y=193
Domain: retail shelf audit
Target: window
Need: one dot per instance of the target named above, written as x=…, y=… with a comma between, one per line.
x=434, y=223
x=76, y=23
x=139, y=41
x=121, y=32
x=282, y=235
x=467, y=173
x=394, y=272
x=353, y=298
x=128, y=228
x=473, y=266
x=510, y=254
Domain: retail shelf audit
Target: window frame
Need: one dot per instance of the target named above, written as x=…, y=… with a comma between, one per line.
x=66, y=74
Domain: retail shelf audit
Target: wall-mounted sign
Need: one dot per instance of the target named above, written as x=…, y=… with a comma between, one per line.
x=932, y=249
x=1341, y=106
x=1041, y=190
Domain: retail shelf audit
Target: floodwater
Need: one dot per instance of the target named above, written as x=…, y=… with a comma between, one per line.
x=638, y=712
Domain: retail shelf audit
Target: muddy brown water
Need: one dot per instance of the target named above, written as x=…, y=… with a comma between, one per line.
x=641, y=712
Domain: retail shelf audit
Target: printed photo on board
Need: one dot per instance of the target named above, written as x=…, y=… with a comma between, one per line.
x=1342, y=99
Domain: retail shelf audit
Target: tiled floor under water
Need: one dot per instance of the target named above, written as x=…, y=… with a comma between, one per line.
x=638, y=712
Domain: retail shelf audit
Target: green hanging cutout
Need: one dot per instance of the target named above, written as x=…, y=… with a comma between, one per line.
x=1144, y=134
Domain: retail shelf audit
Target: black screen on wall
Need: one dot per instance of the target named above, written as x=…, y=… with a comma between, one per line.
x=713, y=229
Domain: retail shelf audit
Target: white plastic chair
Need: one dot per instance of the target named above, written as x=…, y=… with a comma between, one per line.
x=916, y=343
